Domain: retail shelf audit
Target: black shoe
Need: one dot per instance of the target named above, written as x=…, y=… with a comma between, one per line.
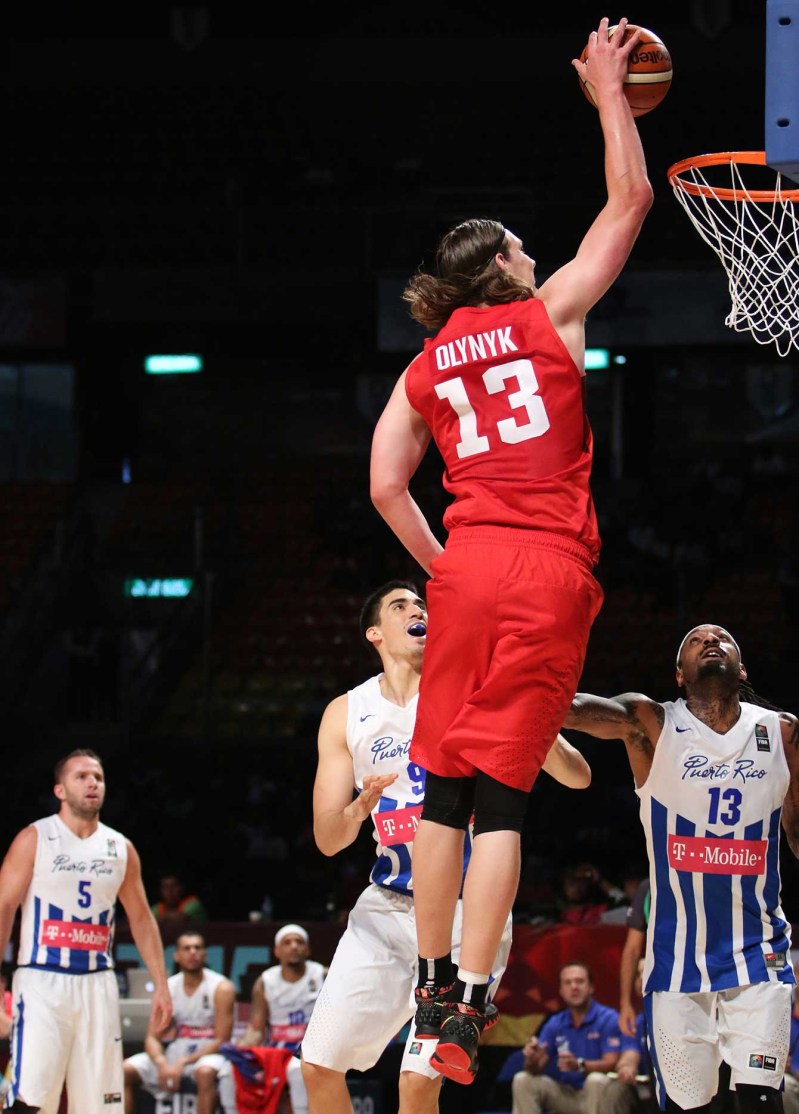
x=458, y=1038
x=429, y=1001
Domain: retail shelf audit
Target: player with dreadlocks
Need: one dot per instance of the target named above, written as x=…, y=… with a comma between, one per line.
x=715, y=774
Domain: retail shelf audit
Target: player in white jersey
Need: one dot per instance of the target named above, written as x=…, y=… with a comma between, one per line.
x=283, y=999
x=716, y=776
x=364, y=740
x=66, y=872
x=202, y=1018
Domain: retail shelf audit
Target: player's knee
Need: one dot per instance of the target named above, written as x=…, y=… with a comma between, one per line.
x=754, y=1098
x=315, y=1076
x=418, y=1093
x=498, y=807
x=448, y=800
x=205, y=1078
x=525, y=1083
x=131, y=1075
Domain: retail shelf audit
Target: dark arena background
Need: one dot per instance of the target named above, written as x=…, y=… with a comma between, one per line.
x=183, y=556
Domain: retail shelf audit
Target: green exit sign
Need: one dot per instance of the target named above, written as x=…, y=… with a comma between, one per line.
x=184, y=363
x=173, y=588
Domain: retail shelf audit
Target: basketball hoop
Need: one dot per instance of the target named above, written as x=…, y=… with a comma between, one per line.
x=755, y=234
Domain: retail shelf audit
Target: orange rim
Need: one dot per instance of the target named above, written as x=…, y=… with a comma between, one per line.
x=722, y=193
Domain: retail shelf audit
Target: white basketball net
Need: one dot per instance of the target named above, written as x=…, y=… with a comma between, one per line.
x=757, y=240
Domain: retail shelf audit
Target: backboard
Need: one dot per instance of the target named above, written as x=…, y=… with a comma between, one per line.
x=782, y=87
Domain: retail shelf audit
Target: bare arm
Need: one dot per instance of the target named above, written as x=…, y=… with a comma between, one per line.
x=337, y=818
x=790, y=808
x=399, y=444
x=628, y=968
x=15, y=878
x=627, y=1067
x=259, y=1016
x=535, y=1056
x=606, y=1062
x=575, y=288
x=144, y=929
x=565, y=763
x=154, y=1047
x=632, y=717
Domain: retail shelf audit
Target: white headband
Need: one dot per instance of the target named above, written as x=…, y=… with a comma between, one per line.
x=691, y=631
x=290, y=930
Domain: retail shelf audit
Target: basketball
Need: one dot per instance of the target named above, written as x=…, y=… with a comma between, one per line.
x=648, y=77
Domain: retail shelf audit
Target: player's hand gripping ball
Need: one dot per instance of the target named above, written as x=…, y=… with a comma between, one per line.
x=649, y=71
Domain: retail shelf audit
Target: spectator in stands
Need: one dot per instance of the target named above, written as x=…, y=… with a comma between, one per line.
x=630, y=877
x=585, y=896
x=631, y=1091
x=566, y=1065
x=203, y=1002
x=281, y=1003
x=174, y=906
x=81, y=642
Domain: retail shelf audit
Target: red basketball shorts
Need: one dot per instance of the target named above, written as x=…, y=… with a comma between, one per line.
x=510, y=612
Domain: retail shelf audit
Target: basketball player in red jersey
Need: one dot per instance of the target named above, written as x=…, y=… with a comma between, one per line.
x=512, y=596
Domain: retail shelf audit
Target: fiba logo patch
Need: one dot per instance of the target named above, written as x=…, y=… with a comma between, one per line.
x=113, y=1097
x=415, y=1048
x=758, y=1060
x=761, y=736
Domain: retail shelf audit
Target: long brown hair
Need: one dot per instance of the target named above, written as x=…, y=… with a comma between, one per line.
x=465, y=275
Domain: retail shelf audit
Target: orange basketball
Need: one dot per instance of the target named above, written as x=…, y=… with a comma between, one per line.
x=648, y=77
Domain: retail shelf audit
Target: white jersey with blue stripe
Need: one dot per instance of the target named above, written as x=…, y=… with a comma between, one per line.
x=711, y=809
x=68, y=913
x=379, y=739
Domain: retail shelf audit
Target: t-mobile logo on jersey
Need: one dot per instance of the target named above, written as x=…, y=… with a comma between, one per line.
x=705, y=855
x=76, y=934
x=397, y=825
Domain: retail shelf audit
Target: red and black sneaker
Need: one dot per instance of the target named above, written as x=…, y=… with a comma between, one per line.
x=429, y=1001
x=458, y=1038
x=492, y=1016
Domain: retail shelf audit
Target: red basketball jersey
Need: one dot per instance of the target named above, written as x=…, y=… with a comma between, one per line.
x=503, y=400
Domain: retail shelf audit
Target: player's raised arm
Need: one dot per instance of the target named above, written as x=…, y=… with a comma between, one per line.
x=625, y=717
x=576, y=287
x=631, y=717
x=399, y=443
x=565, y=763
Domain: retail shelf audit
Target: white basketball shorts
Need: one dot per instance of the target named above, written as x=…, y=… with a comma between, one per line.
x=66, y=1028
x=367, y=997
x=148, y=1072
x=748, y=1027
